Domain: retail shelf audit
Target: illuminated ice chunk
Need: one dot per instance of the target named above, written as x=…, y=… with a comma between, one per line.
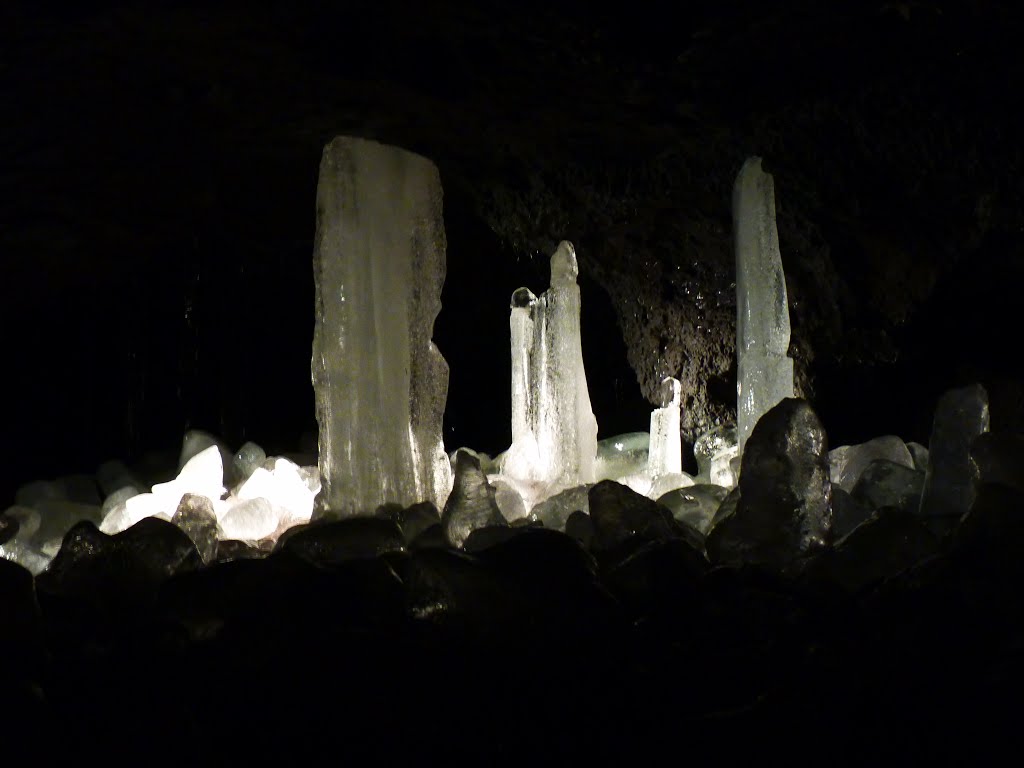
x=380, y=383
x=247, y=459
x=848, y=462
x=764, y=372
x=203, y=475
x=622, y=455
x=665, y=456
x=195, y=517
x=139, y=507
x=249, y=520
x=715, y=451
x=554, y=432
x=283, y=486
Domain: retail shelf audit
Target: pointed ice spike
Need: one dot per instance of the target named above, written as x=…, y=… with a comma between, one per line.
x=765, y=373
x=380, y=383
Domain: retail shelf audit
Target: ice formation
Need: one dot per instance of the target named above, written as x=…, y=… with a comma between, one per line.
x=380, y=382
x=554, y=432
x=715, y=451
x=848, y=462
x=960, y=417
x=765, y=373
x=275, y=496
x=665, y=455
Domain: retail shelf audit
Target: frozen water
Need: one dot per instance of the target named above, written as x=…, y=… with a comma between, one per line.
x=555, y=511
x=247, y=459
x=139, y=507
x=885, y=483
x=380, y=383
x=622, y=455
x=196, y=441
x=960, y=416
x=508, y=499
x=80, y=488
x=696, y=505
x=202, y=474
x=847, y=462
x=249, y=520
x=283, y=485
x=195, y=516
x=30, y=494
x=554, y=432
x=662, y=484
x=714, y=451
x=28, y=519
x=471, y=504
x=920, y=455
x=765, y=373
x=118, y=497
x=665, y=454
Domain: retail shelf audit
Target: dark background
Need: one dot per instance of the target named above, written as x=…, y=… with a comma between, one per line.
x=158, y=170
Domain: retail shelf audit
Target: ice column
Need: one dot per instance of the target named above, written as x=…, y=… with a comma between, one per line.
x=765, y=373
x=666, y=451
x=380, y=383
x=554, y=432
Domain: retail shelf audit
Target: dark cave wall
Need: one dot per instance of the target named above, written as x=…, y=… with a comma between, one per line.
x=160, y=173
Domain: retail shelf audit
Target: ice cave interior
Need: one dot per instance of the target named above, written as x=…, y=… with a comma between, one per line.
x=571, y=382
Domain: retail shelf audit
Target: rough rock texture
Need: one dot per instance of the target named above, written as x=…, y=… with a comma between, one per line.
x=784, y=508
x=888, y=128
x=471, y=504
x=897, y=648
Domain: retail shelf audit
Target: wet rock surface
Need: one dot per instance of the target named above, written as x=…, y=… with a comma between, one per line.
x=618, y=646
x=783, y=510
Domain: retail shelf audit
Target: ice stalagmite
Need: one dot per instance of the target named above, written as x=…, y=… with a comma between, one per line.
x=554, y=432
x=380, y=383
x=666, y=451
x=765, y=373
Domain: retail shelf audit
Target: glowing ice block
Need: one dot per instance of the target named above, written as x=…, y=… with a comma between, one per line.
x=380, y=383
x=554, y=432
x=665, y=455
x=765, y=373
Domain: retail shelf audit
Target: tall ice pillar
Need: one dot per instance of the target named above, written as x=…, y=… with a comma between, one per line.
x=665, y=455
x=554, y=432
x=380, y=382
x=765, y=373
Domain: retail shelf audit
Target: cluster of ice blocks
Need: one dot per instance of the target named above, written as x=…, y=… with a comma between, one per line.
x=381, y=385
x=216, y=495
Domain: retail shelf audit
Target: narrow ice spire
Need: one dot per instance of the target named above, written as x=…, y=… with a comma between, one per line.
x=554, y=432
x=380, y=383
x=665, y=455
x=765, y=373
